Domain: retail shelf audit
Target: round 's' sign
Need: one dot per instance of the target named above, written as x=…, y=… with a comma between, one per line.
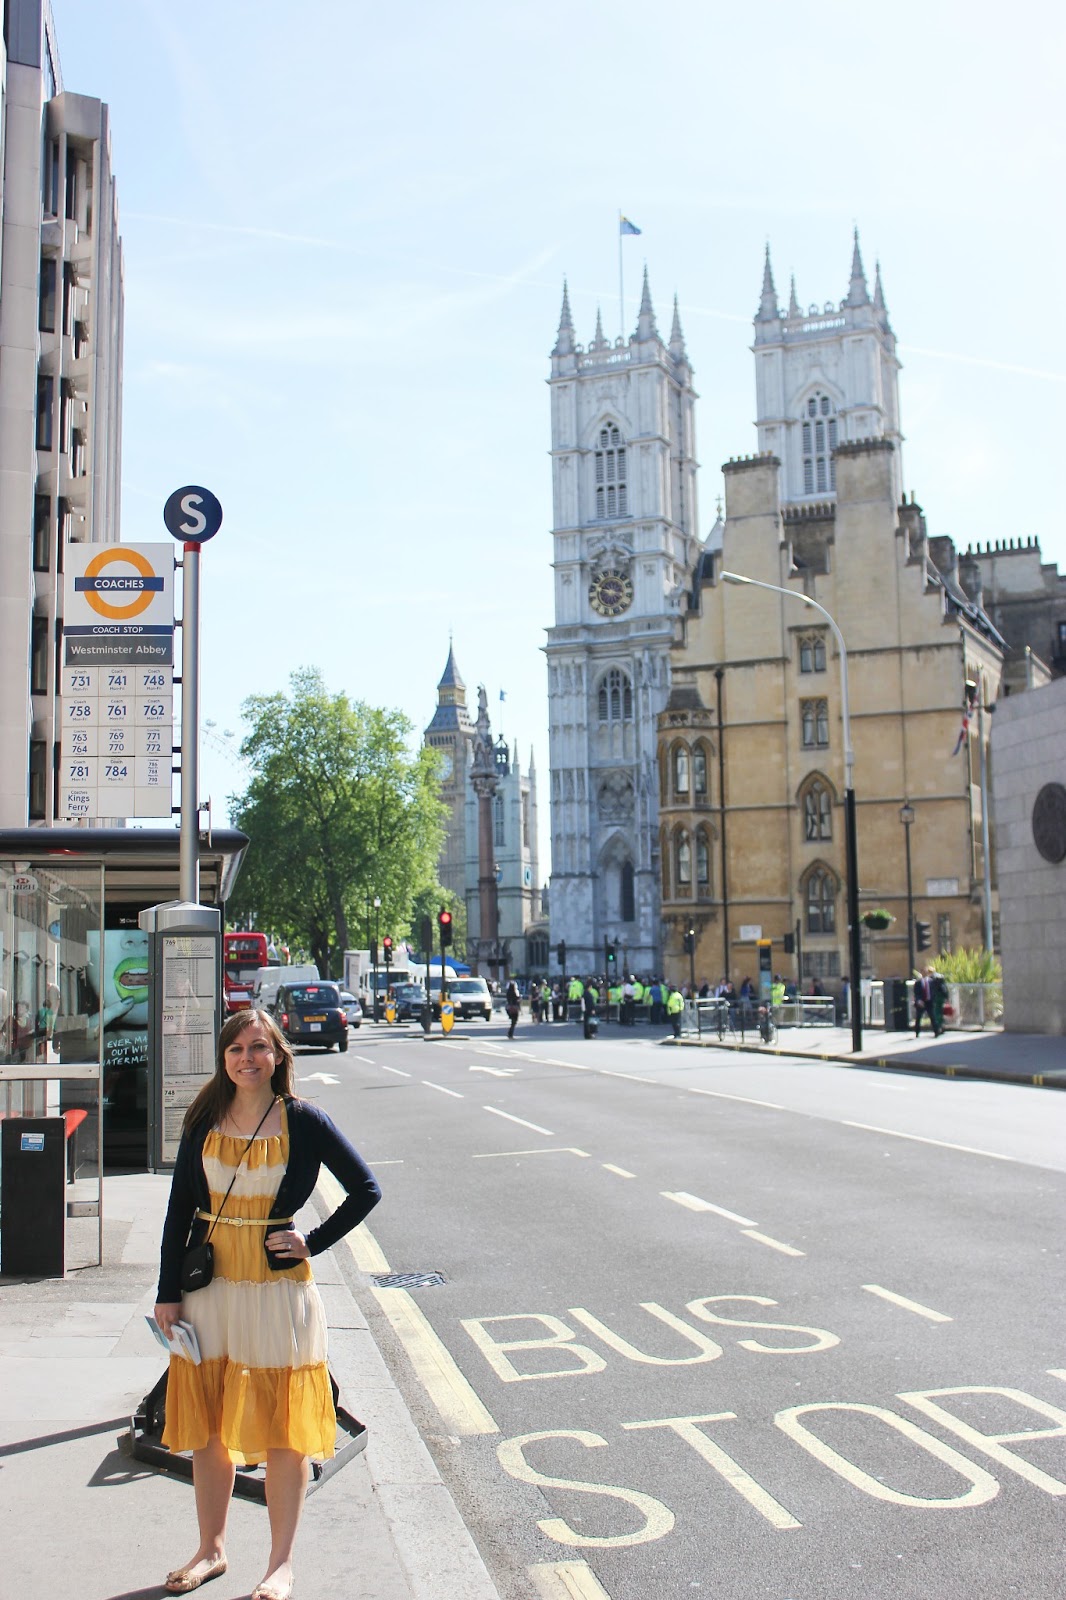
x=193, y=514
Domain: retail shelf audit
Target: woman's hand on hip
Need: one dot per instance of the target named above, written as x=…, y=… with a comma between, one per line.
x=166, y=1314
x=289, y=1244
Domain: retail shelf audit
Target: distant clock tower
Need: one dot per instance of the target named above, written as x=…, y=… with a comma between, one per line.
x=451, y=733
x=625, y=541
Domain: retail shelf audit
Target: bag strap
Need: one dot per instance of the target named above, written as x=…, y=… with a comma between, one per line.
x=237, y=1169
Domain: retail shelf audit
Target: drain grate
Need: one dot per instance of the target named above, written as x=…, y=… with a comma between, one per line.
x=407, y=1280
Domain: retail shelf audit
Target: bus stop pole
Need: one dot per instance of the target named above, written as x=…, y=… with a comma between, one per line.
x=189, y=845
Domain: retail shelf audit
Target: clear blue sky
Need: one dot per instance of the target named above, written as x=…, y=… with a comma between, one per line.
x=346, y=228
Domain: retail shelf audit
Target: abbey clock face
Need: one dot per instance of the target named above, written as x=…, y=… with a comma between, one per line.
x=447, y=767
x=610, y=592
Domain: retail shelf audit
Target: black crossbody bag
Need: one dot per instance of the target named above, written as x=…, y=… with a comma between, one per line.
x=198, y=1263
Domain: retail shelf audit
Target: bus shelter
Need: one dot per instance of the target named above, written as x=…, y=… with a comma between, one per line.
x=74, y=998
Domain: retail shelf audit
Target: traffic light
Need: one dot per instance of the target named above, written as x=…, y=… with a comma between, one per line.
x=386, y=950
x=561, y=954
x=923, y=935
x=444, y=923
x=789, y=944
x=690, y=942
x=427, y=935
x=373, y=952
x=610, y=952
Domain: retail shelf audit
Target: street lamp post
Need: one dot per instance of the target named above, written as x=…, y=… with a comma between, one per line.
x=851, y=841
x=906, y=816
x=377, y=929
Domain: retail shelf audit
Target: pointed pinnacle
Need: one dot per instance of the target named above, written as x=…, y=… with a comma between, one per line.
x=646, y=328
x=564, y=340
x=858, y=294
x=677, y=337
x=793, y=303
x=879, y=293
x=768, y=308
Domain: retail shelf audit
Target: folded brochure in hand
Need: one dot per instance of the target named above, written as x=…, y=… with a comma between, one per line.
x=182, y=1341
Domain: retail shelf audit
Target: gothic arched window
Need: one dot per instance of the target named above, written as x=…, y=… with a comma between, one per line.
x=681, y=770
x=699, y=771
x=812, y=653
x=819, y=442
x=610, y=462
x=821, y=901
x=814, y=717
x=498, y=820
x=817, y=812
x=628, y=897
x=703, y=860
x=615, y=699
x=683, y=861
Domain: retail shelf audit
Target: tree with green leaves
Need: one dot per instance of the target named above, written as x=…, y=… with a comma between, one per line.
x=338, y=811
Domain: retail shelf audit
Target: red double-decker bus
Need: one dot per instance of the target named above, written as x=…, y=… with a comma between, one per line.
x=242, y=956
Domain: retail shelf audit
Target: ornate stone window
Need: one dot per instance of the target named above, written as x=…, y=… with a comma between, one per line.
x=699, y=772
x=498, y=828
x=812, y=653
x=682, y=861
x=819, y=442
x=703, y=860
x=681, y=770
x=610, y=468
x=615, y=699
x=814, y=717
x=817, y=812
x=628, y=895
x=821, y=892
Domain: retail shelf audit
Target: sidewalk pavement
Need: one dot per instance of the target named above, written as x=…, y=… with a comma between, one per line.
x=80, y=1516
x=1027, y=1058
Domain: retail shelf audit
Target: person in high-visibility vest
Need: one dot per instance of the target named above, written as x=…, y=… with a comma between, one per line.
x=592, y=991
x=777, y=991
x=675, y=1005
x=575, y=989
x=639, y=992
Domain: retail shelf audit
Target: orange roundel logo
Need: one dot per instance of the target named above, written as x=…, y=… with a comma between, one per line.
x=136, y=599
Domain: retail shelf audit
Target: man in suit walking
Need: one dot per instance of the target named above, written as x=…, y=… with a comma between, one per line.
x=927, y=1002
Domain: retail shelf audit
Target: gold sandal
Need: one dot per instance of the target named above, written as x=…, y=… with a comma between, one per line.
x=183, y=1581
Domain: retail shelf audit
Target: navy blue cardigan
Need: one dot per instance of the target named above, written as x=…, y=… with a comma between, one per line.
x=314, y=1141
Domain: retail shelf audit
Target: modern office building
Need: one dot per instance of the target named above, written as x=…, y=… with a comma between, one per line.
x=61, y=318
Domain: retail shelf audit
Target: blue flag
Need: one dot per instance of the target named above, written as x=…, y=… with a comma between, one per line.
x=625, y=226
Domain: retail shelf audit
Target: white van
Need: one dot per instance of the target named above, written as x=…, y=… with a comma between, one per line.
x=268, y=980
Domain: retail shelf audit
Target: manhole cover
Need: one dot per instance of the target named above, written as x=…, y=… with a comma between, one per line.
x=407, y=1280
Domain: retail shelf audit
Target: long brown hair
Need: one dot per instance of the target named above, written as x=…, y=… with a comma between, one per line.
x=216, y=1097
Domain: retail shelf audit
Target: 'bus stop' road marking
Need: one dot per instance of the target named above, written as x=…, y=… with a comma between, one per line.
x=908, y=1305
x=692, y=1202
x=567, y=1580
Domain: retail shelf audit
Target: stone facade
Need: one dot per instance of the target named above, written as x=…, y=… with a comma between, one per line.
x=625, y=541
x=61, y=317
x=756, y=699
x=1026, y=598
x=1029, y=788
x=513, y=905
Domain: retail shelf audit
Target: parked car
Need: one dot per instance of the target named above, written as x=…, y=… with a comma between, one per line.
x=351, y=1008
x=409, y=999
x=311, y=1013
x=469, y=996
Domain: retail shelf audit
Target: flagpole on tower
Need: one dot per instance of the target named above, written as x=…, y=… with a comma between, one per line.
x=621, y=290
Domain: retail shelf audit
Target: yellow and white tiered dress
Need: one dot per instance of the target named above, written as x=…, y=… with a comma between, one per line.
x=263, y=1383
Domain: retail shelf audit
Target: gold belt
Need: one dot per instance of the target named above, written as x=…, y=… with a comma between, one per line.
x=245, y=1222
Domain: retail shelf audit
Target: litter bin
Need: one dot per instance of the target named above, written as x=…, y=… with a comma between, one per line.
x=897, y=1018
x=33, y=1197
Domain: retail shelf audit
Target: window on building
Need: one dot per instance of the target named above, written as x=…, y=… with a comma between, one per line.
x=39, y=657
x=821, y=964
x=627, y=897
x=42, y=532
x=66, y=416
x=812, y=653
x=46, y=303
x=814, y=717
x=699, y=771
x=46, y=388
x=69, y=292
x=943, y=932
x=51, y=178
x=818, y=812
x=681, y=770
x=77, y=454
x=525, y=819
x=38, y=780
x=616, y=697
x=63, y=525
x=610, y=465
x=683, y=861
x=819, y=442
x=821, y=902
x=1062, y=638
x=703, y=860
x=498, y=820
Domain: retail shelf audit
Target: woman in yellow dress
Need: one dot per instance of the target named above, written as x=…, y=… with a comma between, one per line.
x=249, y=1158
